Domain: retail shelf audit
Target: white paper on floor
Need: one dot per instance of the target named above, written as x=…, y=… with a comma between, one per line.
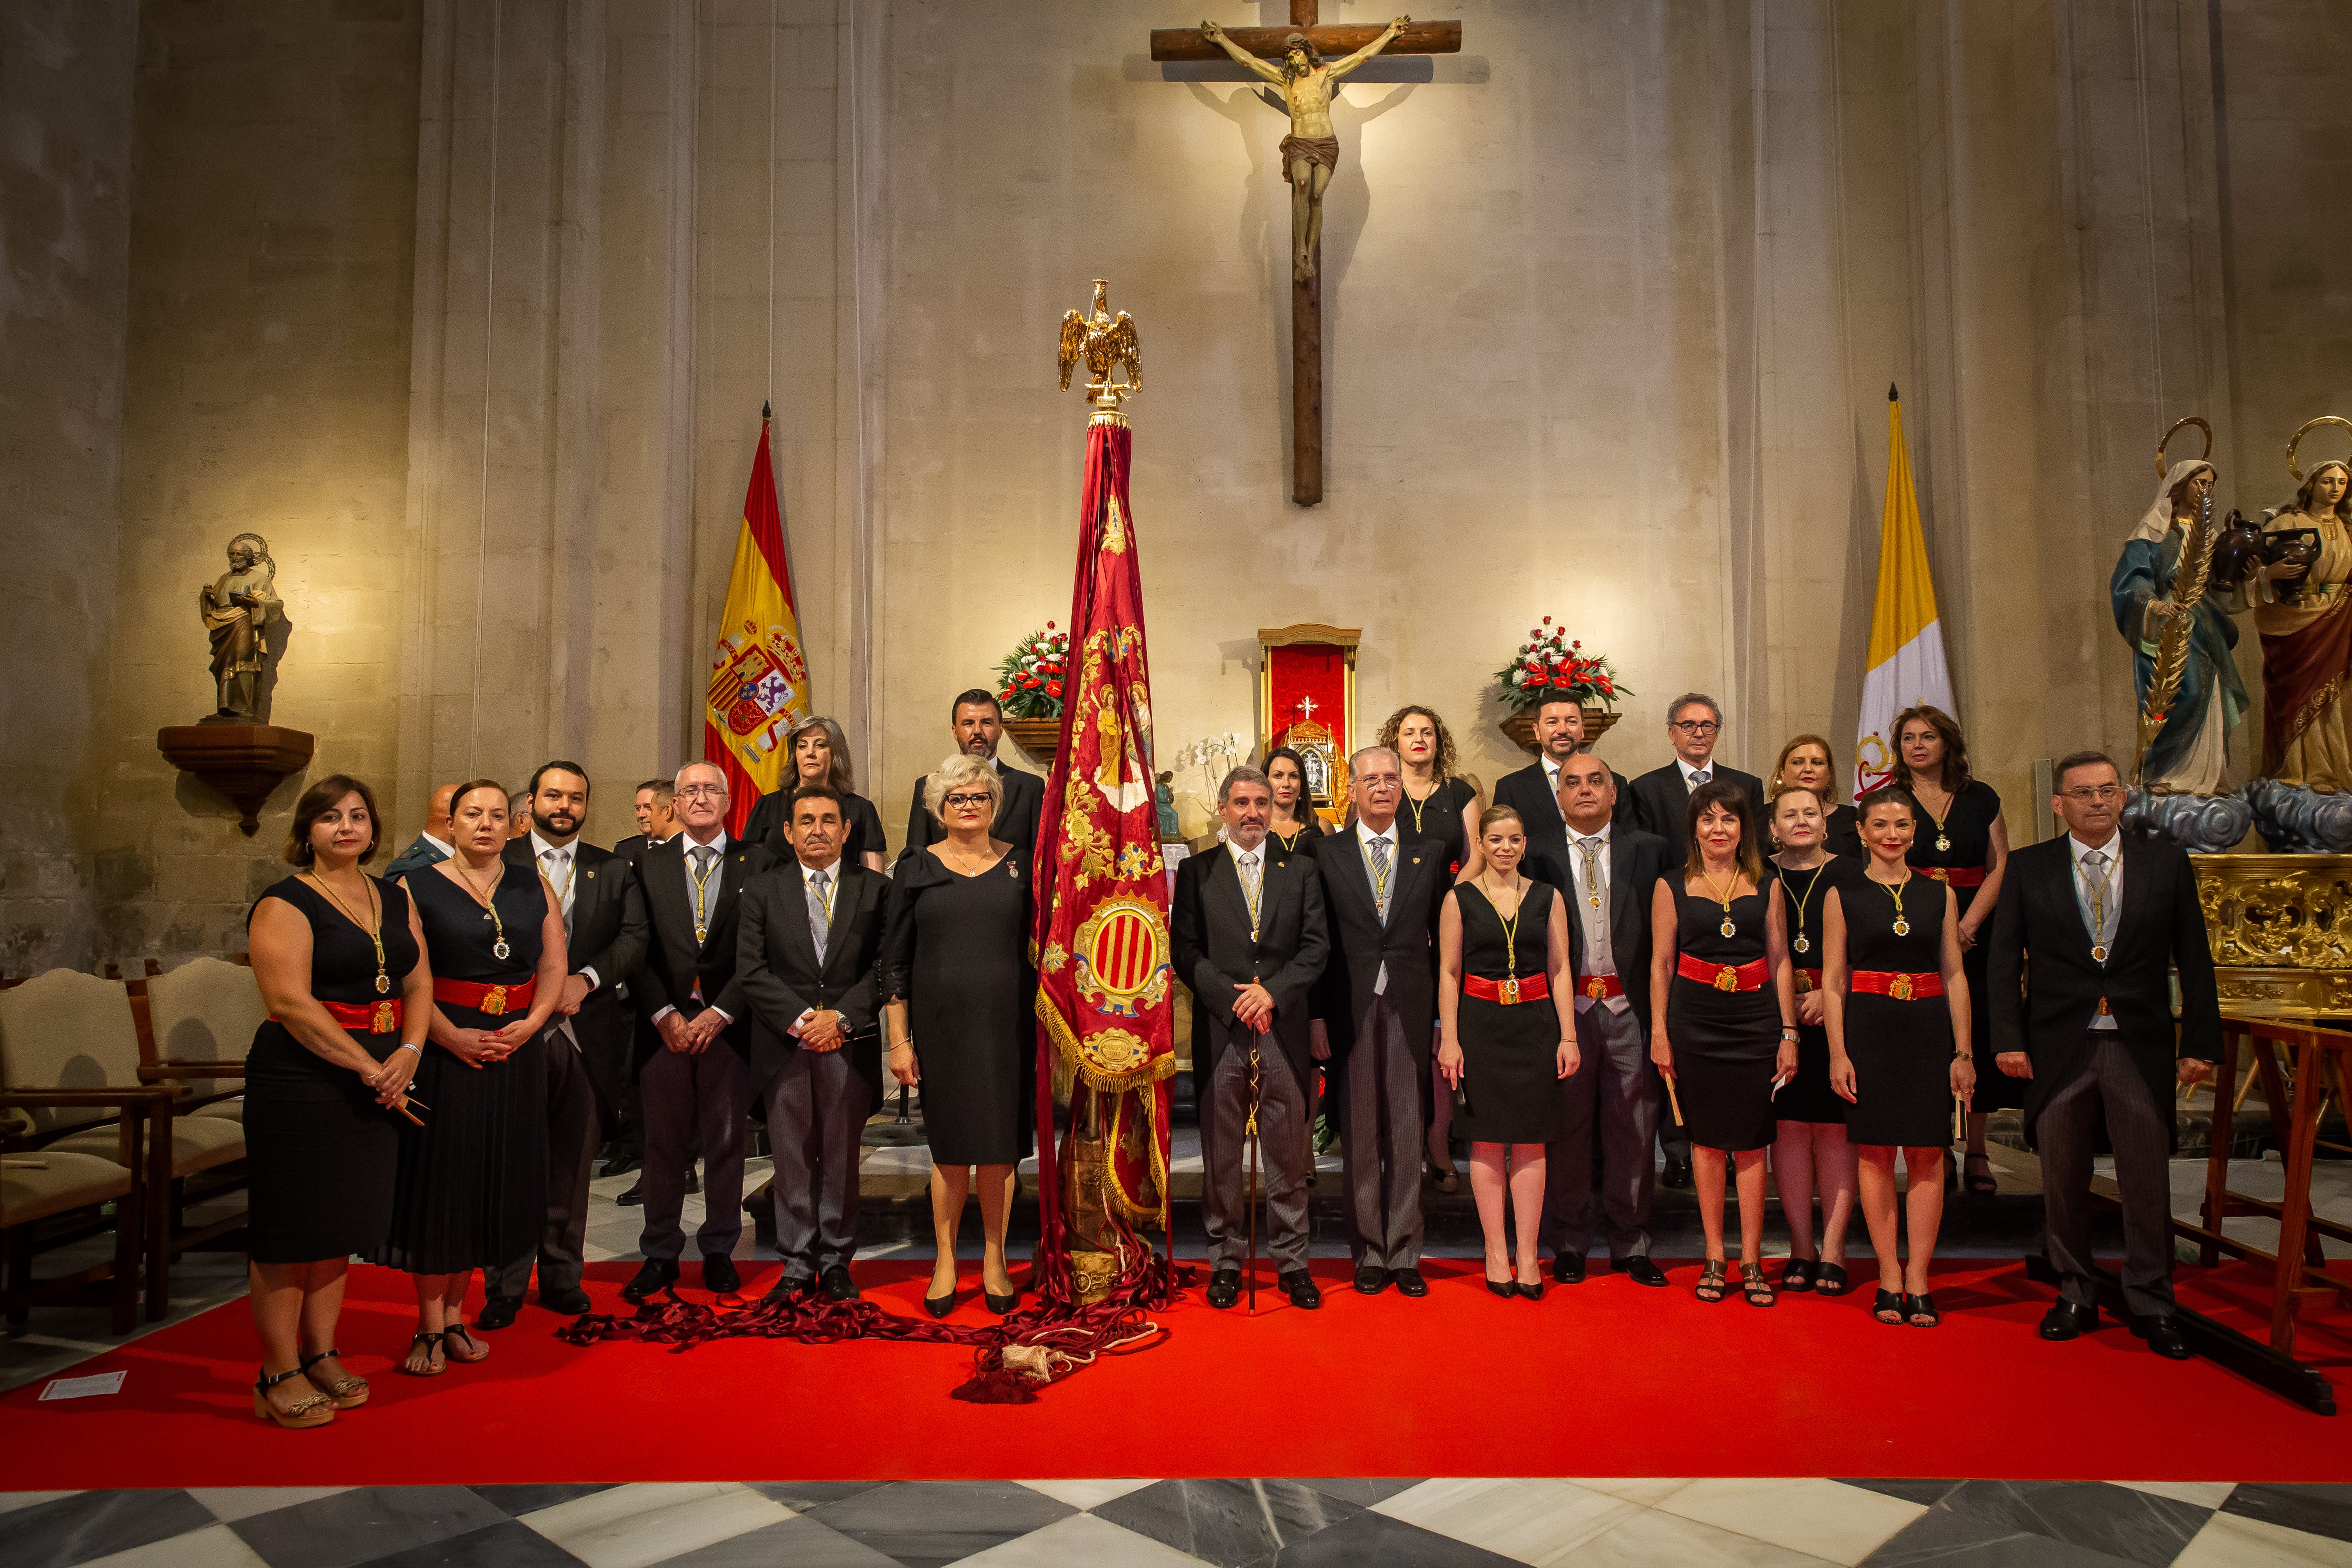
x=83, y=1387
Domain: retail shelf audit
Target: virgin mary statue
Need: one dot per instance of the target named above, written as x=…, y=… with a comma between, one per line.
x=2165, y=560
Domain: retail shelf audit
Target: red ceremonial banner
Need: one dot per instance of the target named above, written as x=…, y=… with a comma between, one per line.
x=1104, y=1007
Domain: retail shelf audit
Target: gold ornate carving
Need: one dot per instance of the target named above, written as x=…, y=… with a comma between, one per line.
x=2278, y=921
x=1105, y=344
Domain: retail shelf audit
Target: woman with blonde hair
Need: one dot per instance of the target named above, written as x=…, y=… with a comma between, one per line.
x=959, y=996
x=820, y=755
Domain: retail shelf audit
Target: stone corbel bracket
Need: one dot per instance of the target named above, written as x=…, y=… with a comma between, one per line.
x=243, y=762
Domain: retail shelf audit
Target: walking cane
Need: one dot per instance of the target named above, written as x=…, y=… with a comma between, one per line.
x=1249, y=1130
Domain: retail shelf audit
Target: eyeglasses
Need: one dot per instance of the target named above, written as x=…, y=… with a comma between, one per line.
x=702, y=792
x=1695, y=726
x=2106, y=792
x=965, y=802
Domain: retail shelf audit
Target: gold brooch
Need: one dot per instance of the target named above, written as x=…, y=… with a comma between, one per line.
x=1726, y=978
x=1901, y=989
x=384, y=1022
x=495, y=1001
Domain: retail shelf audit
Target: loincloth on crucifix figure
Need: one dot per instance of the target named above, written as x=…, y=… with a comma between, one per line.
x=1323, y=150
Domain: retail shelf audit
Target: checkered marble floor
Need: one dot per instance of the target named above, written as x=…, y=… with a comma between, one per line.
x=1144, y=1523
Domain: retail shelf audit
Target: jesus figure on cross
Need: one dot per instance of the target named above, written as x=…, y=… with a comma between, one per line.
x=1311, y=151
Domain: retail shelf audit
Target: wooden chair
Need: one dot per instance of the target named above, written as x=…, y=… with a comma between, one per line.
x=195, y=1026
x=54, y=1186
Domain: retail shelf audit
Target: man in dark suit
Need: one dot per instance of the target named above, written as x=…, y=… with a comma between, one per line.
x=431, y=846
x=1249, y=938
x=697, y=1082
x=809, y=965
x=1662, y=796
x=1612, y=873
x=588, y=1058
x=1378, y=1008
x=979, y=724
x=657, y=814
x=2093, y=925
x=1534, y=791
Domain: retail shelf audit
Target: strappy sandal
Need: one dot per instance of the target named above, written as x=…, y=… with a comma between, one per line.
x=1755, y=1286
x=1978, y=1181
x=313, y=1409
x=1922, y=1313
x=433, y=1350
x=348, y=1393
x=1710, y=1281
x=1891, y=1301
x=481, y=1351
x=1798, y=1275
x=1830, y=1279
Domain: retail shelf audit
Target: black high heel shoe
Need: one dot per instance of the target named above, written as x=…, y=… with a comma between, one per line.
x=1503, y=1287
x=939, y=1306
x=1000, y=1305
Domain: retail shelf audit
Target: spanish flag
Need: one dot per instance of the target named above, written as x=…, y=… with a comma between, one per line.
x=1906, y=664
x=759, y=682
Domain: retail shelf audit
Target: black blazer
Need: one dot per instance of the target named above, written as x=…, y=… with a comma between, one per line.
x=776, y=966
x=608, y=935
x=1637, y=861
x=1209, y=931
x=1661, y=806
x=632, y=848
x=674, y=960
x=2045, y=987
x=1016, y=814
x=1528, y=792
x=1360, y=943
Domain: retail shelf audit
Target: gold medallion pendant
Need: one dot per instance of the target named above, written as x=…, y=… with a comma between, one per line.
x=1727, y=927
x=1943, y=845
x=1803, y=943
x=1902, y=926
x=499, y=949
x=2098, y=952
x=701, y=934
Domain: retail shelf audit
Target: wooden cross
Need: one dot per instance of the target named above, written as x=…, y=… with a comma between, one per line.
x=1306, y=294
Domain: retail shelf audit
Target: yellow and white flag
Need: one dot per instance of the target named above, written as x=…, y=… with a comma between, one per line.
x=1906, y=664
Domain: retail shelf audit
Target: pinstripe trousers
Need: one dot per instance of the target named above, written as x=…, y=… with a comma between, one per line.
x=2139, y=1131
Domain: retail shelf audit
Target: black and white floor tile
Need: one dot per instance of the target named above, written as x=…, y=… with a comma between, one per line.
x=1588, y=1523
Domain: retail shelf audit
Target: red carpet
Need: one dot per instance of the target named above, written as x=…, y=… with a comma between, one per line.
x=1602, y=1379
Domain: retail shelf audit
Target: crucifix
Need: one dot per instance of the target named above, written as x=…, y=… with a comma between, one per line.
x=1307, y=706
x=1309, y=154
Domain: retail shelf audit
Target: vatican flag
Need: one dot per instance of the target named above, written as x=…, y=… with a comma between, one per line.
x=759, y=682
x=1907, y=643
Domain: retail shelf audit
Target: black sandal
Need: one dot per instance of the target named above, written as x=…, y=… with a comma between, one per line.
x=1710, y=1281
x=1798, y=1275
x=1830, y=1279
x=1980, y=1183
x=1893, y=1301
x=463, y=1332
x=1755, y=1286
x=1922, y=1313
x=432, y=1343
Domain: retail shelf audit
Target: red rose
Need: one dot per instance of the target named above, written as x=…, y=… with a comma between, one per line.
x=1547, y=620
x=1049, y=626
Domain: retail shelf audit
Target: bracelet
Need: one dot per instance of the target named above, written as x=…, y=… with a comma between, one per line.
x=404, y=1045
x=906, y=1045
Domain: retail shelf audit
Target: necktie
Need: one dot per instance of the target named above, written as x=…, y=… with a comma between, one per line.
x=1701, y=777
x=2095, y=879
x=1591, y=847
x=559, y=873
x=820, y=915
x=1380, y=878
x=1251, y=882
x=705, y=858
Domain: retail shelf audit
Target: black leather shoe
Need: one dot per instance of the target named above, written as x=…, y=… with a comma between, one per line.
x=1409, y=1282
x=1224, y=1288
x=499, y=1312
x=719, y=1273
x=1677, y=1175
x=633, y=1197
x=652, y=1276
x=569, y=1300
x=2163, y=1336
x=2066, y=1320
x=622, y=1164
x=1300, y=1287
x=784, y=1292
x=1370, y=1281
x=1567, y=1269
x=836, y=1284
x=1641, y=1270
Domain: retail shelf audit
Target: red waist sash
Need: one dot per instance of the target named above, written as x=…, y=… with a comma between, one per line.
x=1748, y=976
x=1956, y=876
x=1510, y=992
x=495, y=1000
x=1902, y=987
x=367, y=1017
x=1599, y=987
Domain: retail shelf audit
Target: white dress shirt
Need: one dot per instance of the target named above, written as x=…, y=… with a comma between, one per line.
x=1690, y=773
x=1599, y=959
x=448, y=851
x=560, y=864
x=2111, y=900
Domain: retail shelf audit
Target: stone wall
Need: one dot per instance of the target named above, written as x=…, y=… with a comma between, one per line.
x=65, y=243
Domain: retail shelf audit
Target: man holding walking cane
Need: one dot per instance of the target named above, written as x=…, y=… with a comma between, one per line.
x=1250, y=938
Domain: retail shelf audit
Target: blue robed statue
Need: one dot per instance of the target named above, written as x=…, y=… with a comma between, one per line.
x=2164, y=574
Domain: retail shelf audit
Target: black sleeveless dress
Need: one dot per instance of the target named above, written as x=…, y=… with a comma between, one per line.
x=320, y=1152
x=1808, y=1097
x=1902, y=1051
x=1724, y=1042
x=1511, y=1087
x=1438, y=820
x=1279, y=848
x=473, y=1182
x=1968, y=828
x=956, y=953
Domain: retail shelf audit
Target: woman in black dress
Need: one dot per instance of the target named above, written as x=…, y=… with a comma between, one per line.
x=1963, y=843
x=473, y=1180
x=1509, y=1037
x=959, y=997
x=1898, y=998
x=1809, y=1150
x=820, y=755
x=335, y=953
x=1293, y=821
x=1721, y=986
x=1807, y=763
x=1439, y=808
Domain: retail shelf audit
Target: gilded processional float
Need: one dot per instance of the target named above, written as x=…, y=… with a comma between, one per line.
x=2280, y=921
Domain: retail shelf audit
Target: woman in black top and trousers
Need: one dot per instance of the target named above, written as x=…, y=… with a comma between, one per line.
x=337, y=956
x=1440, y=807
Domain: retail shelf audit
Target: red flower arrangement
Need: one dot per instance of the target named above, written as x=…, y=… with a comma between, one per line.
x=1029, y=680
x=1549, y=664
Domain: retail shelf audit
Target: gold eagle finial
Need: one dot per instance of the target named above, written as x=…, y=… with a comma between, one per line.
x=1105, y=342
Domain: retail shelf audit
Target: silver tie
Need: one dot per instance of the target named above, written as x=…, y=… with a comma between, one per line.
x=1700, y=777
x=1252, y=882
x=820, y=919
x=2095, y=881
x=1381, y=876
